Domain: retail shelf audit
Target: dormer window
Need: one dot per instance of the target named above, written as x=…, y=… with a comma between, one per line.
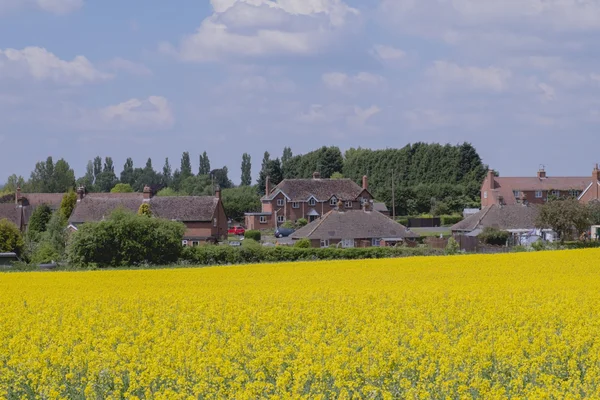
x=312, y=202
x=280, y=202
x=333, y=202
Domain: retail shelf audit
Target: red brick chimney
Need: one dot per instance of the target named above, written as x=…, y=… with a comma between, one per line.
x=80, y=193
x=365, y=182
x=18, y=197
x=147, y=193
x=267, y=186
x=490, y=178
x=596, y=174
x=316, y=175
x=218, y=192
x=541, y=173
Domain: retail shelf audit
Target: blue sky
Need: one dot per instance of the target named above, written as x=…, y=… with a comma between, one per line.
x=517, y=78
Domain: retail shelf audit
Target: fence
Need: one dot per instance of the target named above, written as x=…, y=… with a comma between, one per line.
x=424, y=222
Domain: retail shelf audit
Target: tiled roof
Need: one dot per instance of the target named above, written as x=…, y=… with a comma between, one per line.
x=11, y=212
x=381, y=207
x=505, y=186
x=96, y=206
x=502, y=217
x=321, y=189
x=353, y=224
x=53, y=200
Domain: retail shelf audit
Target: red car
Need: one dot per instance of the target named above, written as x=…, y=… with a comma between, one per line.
x=236, y=230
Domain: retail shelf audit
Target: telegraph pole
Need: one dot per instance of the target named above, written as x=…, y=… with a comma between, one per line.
x=393, y=197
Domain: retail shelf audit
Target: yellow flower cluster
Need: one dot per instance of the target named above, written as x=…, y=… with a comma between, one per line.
x=516, y=325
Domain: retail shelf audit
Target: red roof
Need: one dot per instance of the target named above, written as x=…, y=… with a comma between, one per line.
x=504, y=186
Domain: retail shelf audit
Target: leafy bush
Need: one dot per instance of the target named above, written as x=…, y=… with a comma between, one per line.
x=126, y=239
x=225, y=255
x=449, y=220
x=144, y=210
x=303, y=243
x=254, y=235
x=402, y=221
x=39, y=219
x=11, y=240
x=581, y=245
x=122, y=188
x=288, y=225
x=67, y=204
x=540, y=245
x=494, y=236
x=452, y=247
x=45, y=253
x=302, y=222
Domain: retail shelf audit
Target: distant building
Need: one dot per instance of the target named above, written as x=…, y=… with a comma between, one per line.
x=19, y=210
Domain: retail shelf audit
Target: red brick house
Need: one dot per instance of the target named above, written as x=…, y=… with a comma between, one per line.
x=536, y=190
x=20, y=210
x=203, y=216
x=310, y=199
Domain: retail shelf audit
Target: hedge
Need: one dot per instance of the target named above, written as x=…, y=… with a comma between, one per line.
x=226, y=255
x=254, y=235
x=444, y=219
x=451, y=219
x=581, y=245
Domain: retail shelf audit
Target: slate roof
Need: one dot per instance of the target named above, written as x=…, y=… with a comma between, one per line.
x=321, y=189
x=381, y=207
x=353, y=224
x=53, y=200
x=504, y=186
x=505, y=217
x=11, y=212
x=96, y=206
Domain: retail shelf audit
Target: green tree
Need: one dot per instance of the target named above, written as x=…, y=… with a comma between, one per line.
x=167, y=192
x=122, y=188
x=63, y=177
x=199, y=185
x=127, y=173
x=246, y=170
x=144, y=210
x=337, y=175
x=221, y=179
x=270, y=168
x=564, y=216
x=39, y=219
x=167, y=174
x=13, y=182
x=186, y=166
x=67, y=204
x=107, y=179
x=240, y=200
x=11, y=240
x=204, y=168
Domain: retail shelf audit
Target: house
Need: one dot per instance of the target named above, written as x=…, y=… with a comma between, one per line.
x=382, y=208
x=343, y=227
x=20, y=210
x=537, y=189
x=293, y=199
x=203, y=216
x=517, y=219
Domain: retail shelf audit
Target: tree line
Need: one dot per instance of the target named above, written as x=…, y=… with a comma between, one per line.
x=427, y=178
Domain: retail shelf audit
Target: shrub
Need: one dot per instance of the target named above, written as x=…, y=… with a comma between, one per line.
x=144, y=210
x=449, y=220
x=11, y=240
x=302, y=222
x=45, y=253
x=402, y=221
x=494, y=236
x=126, y=239
x=288, y=225
x=452, y=247
x=39, y=219
x=254, y=235
x=68, y=203
x=122, y=188
x=303, y=243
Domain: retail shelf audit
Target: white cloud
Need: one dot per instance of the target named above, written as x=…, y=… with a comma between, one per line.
x=41, y=65
x=362, y=115
x=547, y=91
x=120, y=64
x=387, y=53
x=151, y=113
x=341, y=81
x=488, y=79
x=52, y=6
x=251, y=28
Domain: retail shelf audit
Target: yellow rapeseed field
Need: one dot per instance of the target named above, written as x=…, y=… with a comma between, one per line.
x=517, y=325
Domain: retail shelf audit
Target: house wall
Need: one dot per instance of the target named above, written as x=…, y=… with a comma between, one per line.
x=207, y=229
x=252, y=222
x=592, y=194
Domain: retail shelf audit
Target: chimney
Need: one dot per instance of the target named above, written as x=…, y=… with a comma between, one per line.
x=147, y=193
x=316, y=175
x=18, y=197
x=596, y=173
x=80, y=193
x=541, y=173
x=218, y=192
x=267, y=185
x=365, y=182
x=490, y=178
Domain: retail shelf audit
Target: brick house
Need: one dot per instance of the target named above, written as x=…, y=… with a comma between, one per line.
x=354, y=228
x=293, y=199
x=203, y=216
x=20, y=210
x=536, y=190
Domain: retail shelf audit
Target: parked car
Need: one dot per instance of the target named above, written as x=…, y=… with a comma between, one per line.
x=283, y=232
x=236, y=230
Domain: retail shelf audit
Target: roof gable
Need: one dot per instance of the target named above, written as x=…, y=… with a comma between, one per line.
x=505, y=217
x=321, y=189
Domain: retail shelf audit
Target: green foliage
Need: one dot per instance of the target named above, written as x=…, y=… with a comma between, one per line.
x=168, y=192
x=564, y=216
x=270, y=168
x=39, y=219
x=493, y=236
x=226, y=255
x=449, y=220
x=594, y=212
x=204, y=165
x=540, y=245
x=326, y=161
x=288, y=225
x=185, y=170
x=303, y=243
x=144, y=210
x=581, y=244
x=220, y=178
x=126, y=239
x=240, y=200
x=337, y=175
x=254, y=235
x=122, y=188
x=301, y=222
x=48, y=177
x=106, y=179
x=199, y=185
x=452, y=247
x=67, y=204
x=11, y=240
x=56, y=234
x=246, y=170
x=45, y=253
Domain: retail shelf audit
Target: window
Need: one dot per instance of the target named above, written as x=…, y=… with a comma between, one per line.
x=280, y=218
x=295, y=205
x=485, y=194
x=312, y=202
x=324, y=243
x=215, y=222
x=517, y=193
x=375, y=242
x=348, y=204
x=574, y=193
x=195, y=244
x=556, y=193
x=280, y=202
x=263, y=219
x=363, y=200
x=184, y=242
x=333, y=202
x=347, y=243
x=539, y=194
